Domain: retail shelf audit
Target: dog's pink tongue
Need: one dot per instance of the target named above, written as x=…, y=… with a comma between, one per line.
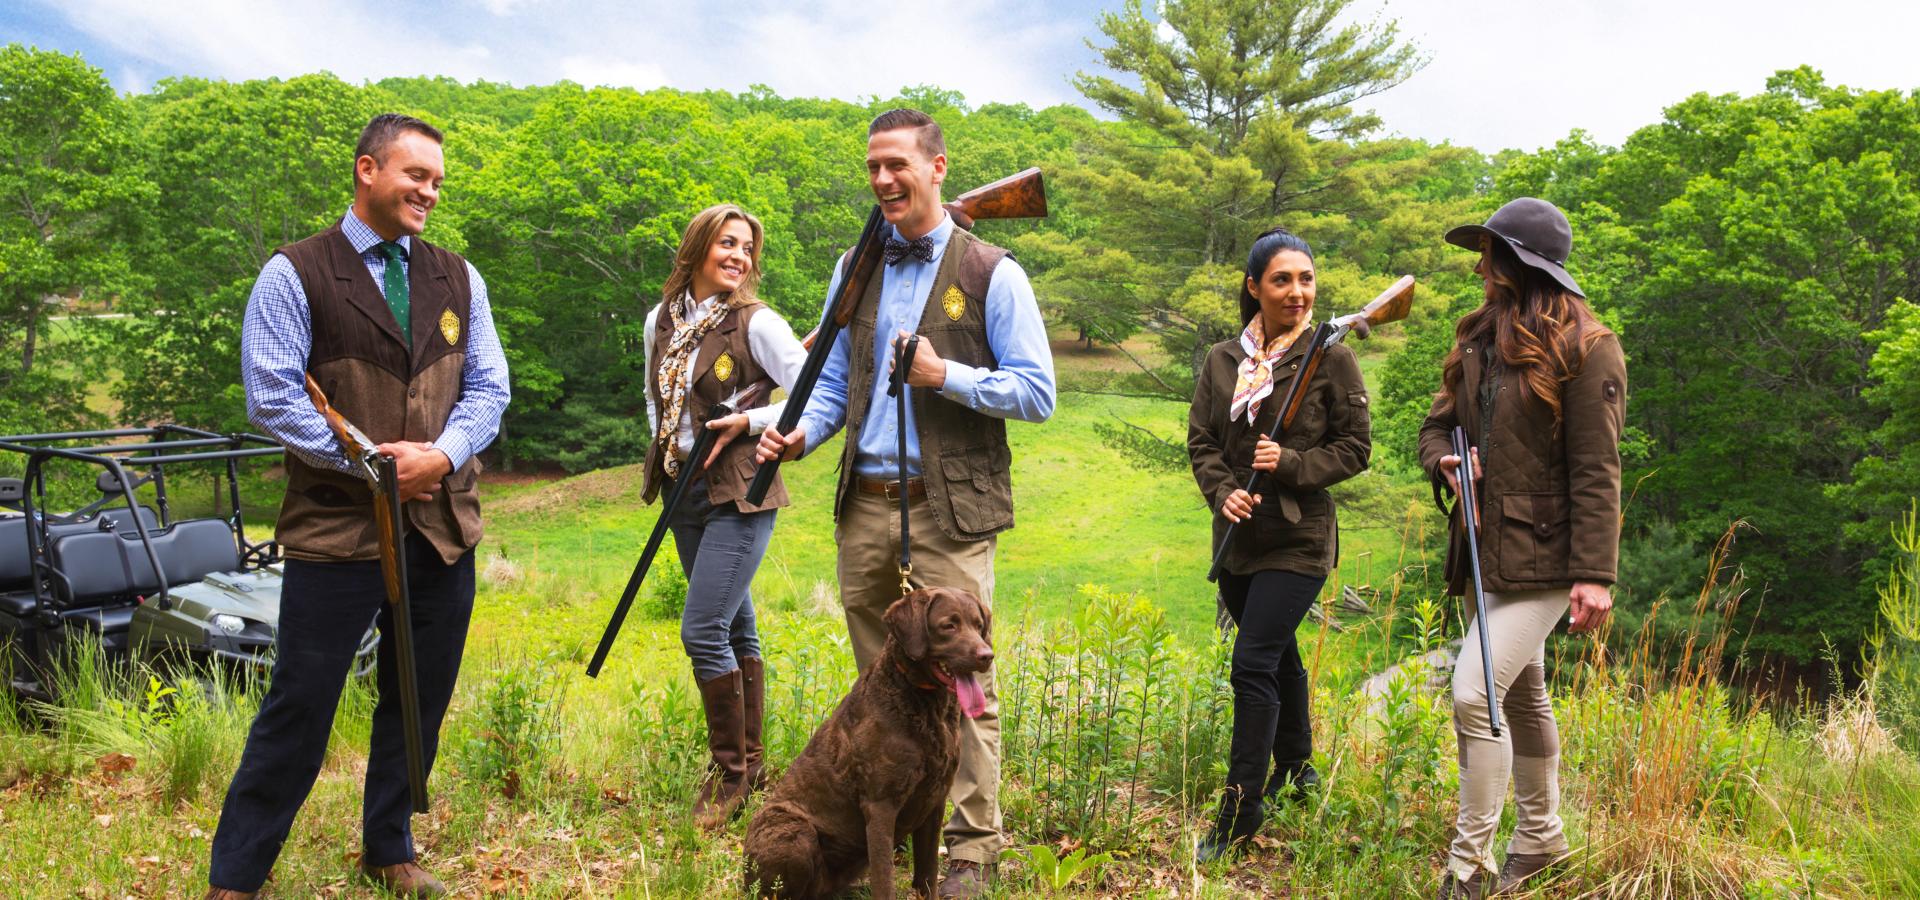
x=973, y=698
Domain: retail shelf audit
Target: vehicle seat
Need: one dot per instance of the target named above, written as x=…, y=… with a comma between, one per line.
x=104, y=564
x=16, y=571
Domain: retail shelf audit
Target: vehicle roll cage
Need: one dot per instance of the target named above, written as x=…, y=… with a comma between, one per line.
x=158, y=450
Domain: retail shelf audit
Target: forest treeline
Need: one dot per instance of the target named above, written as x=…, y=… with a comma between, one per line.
x=1759, y=254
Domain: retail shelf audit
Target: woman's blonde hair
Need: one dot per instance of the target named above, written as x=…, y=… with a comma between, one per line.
x=699, y=236
x=1539, y=329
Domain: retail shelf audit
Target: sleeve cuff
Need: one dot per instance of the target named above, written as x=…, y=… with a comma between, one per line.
x=762, y=417
x=1288, y=471
x=457, y=448
x=963, y=385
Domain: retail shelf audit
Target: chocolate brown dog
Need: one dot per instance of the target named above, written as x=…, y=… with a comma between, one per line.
x=880, y=767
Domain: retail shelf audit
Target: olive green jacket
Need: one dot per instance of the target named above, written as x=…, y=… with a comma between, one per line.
x=1549, y=494
x=1294, y=528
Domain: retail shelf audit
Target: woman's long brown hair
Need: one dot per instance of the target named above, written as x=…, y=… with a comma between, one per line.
x=1541, y=330
x=700, y=235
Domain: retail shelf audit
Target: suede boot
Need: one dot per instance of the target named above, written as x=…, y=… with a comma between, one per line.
x=1291, y=782
x=725, y=788
x=754, y=697
x=1236, y=820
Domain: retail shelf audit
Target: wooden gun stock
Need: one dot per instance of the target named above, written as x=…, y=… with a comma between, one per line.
x=1022, y=195
x=1392, y=305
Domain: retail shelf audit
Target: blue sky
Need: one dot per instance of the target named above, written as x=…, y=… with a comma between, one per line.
x=1501, y=73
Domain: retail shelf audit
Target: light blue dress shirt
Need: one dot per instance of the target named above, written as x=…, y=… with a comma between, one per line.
x=277, y=335
x=1021, y=388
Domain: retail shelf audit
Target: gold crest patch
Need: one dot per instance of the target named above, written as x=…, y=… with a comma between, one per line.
x=954, y=302
x=723, y=366
x=450, y=327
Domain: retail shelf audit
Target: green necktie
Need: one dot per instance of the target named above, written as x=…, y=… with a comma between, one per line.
x=396, y=279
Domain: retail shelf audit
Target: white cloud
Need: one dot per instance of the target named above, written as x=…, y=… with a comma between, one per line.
x=1523, y=73
x=988, y=51
x=232, y=39
x=598, y=71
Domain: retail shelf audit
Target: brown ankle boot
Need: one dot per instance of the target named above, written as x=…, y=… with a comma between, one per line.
x=725, y=788
x=754, y=696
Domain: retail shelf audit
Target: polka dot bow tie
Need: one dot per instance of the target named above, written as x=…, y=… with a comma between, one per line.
x=920, y=248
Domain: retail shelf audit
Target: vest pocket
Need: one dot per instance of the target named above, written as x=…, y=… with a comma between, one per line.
x=971, y=491
x=1535, y=541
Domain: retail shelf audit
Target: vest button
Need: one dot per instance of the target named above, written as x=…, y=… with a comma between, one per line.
x=412, y=393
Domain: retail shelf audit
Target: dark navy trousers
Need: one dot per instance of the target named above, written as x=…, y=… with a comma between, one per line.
x=324, y=611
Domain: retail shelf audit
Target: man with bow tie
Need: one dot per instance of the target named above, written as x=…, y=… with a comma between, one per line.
x=982, y=359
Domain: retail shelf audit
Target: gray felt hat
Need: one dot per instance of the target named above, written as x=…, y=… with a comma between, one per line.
x=1535, y=229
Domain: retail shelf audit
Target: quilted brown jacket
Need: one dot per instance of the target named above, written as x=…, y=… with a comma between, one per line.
x=1549, y=495
x=1294, y=528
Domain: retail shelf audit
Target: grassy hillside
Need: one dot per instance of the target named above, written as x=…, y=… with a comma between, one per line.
x=1114, y=701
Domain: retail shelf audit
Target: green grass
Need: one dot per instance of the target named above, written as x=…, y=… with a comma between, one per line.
x=1114, y=701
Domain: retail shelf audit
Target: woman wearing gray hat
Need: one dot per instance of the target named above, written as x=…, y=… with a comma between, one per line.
x=1540, y=387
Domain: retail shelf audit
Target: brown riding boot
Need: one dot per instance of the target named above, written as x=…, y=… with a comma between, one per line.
x=725, y=788
x=405, y=879
x=220, y=893
x=753, y=678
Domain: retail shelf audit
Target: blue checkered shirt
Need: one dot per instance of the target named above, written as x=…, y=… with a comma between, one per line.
x=277, y=336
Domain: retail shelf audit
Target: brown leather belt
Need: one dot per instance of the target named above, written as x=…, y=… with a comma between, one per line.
x=916, y=487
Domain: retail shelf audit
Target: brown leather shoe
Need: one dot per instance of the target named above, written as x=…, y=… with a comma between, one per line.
x=1452, y=888
x=725, y=789
x=220, y=893
x=753, y=697
x=966, y=879
x=405, y=879
x=1521, y=868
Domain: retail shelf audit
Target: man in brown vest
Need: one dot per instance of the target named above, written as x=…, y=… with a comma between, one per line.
x=400, y=335
x=983, y=359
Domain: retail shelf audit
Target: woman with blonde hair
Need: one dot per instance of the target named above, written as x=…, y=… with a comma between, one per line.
x=1540, y=387
x=711, y=340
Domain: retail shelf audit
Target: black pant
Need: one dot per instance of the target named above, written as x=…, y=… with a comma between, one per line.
x=324, y=611
x=1271, y=715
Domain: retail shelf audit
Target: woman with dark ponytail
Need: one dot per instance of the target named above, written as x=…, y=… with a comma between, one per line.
x=1288, y=537
x=1540, y=387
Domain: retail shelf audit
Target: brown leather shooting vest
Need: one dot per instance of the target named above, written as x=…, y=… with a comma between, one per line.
x=963, y=454
x=723, y=366
x=390, y=392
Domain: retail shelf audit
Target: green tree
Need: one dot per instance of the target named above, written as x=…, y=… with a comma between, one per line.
x=576, y=219
x=1244, y=118
x=65, y=203
x=245, y=169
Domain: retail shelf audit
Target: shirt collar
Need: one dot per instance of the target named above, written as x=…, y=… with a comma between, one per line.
x=363, y=237
x=939, y=234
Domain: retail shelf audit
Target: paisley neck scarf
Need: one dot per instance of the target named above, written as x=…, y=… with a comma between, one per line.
x=672, y=381
x=1255, y=380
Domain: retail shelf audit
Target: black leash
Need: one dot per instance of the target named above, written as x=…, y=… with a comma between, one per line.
x=897, y=387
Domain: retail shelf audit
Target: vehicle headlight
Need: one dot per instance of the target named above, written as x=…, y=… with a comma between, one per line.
x=229, y=624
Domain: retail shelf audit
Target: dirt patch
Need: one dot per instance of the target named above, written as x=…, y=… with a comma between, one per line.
x=619, y=484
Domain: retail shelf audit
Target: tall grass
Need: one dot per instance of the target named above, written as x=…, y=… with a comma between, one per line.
x=1114, y=742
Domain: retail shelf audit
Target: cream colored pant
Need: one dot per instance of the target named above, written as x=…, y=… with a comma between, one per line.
x=869, y=569
x=1528, y=749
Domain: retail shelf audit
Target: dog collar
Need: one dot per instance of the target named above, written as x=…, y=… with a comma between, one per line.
x=910, y=680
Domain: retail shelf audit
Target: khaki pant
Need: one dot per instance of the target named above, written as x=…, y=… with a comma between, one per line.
x=1528, y=749
x=869, y=541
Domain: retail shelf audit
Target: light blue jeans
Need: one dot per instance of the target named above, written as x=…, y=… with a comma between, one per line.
x=720, y=547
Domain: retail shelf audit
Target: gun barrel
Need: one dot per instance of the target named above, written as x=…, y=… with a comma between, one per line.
x=1469, y=505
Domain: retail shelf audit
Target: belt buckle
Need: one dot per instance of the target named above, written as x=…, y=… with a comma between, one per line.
x=891, y=490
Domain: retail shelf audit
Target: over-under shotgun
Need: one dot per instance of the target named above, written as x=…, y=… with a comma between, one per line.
x=1019, y=196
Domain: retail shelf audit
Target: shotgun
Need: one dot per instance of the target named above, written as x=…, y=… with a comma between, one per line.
x=1022, y=195
x=693, y=467
x=1392, y=305
x=380, y=473
x=1469, y=505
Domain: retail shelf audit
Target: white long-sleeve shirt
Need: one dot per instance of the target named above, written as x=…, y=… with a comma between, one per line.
x=774, y=348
